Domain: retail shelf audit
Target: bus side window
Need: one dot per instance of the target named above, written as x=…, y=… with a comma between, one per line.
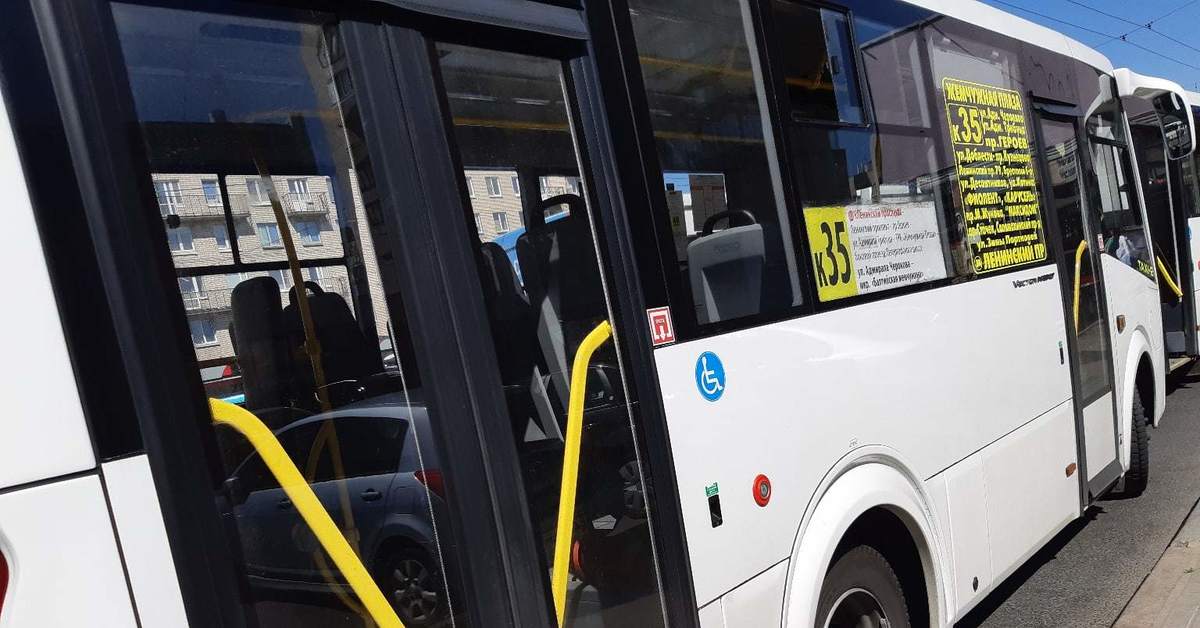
x=869, y=178
x=732, y=231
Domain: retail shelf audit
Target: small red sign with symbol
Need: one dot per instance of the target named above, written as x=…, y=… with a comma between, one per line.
x=762, y=490
x=662, y=331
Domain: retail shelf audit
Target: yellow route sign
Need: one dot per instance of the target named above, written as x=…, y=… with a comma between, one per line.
x=993, y=157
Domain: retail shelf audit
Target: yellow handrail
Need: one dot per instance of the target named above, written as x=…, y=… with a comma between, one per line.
x=1078, y=263
x=570, y=468
x=1162, y=268
x=309, y=507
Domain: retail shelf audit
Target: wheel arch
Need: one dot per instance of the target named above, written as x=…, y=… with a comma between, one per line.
x=872, y=482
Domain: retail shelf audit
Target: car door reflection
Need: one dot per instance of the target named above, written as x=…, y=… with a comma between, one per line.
x=392, y=486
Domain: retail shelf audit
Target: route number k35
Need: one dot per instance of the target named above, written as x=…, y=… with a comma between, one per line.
x=833, y=256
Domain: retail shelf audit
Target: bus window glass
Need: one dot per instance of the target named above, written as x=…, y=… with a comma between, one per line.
x=819, y=59
x=543, y=290
x=1116, y=209
x=733, y=236
x=296, y=317
x=1189, y=186
x=867, y=190
x=1060, y=155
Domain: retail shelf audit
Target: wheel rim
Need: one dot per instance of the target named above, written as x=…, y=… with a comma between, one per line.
x=414, y=590
x=857, y=608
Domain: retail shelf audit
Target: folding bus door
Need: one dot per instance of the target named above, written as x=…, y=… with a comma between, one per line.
x=1088, y=342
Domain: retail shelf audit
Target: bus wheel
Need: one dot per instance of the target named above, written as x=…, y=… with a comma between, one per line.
x=862, y=591
x=1138, y=474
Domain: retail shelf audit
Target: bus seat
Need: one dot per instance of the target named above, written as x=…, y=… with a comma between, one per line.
x=346, y=353
x=260, y=343
x=509, y=311
x=726, y=268
x=562, y=277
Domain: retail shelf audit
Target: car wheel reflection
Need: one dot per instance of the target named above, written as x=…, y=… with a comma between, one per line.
x=411, y=582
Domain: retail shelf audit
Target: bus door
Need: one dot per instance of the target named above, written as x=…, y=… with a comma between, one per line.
x=1076, y=246
x=1185, y=189
x=378, y=234
x=1189, y=188
x=1161, y=195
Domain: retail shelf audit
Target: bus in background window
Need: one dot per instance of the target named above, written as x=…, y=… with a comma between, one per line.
x=766, y=315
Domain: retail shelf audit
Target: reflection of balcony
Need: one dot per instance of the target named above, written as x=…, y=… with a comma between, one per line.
x=241, y=203
x=193, y=206
x=206, y=300
x=296, y=204
x=305, y=203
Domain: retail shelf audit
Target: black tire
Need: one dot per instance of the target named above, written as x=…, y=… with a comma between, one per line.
x=861, y=590
x=1138, y=474
x=413, y=584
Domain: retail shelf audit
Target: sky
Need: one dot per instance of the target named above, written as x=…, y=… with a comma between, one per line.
x=1174, y=32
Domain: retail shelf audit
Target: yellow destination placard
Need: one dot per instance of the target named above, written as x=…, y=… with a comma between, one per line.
x=993, y=158
x=833, y=259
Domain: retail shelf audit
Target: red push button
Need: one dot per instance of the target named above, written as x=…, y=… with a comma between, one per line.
x=762, y=490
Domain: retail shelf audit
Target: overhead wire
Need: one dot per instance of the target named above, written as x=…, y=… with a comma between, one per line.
x=1149, y=26
x=1096, y=32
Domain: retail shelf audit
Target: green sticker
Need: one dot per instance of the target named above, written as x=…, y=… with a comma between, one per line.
x=710, y=490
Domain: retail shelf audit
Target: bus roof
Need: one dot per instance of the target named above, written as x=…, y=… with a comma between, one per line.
x=1016, y=27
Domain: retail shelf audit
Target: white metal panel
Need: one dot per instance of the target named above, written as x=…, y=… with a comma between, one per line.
x=65, y=569
x=966, y=494
x=711, y=616
x=1099, y=435
x=43, y=433
x=143, y=538
x=1030, y=497
x=759, y=602
x=1131, y=294
x=1016, y=27
x=935, y=376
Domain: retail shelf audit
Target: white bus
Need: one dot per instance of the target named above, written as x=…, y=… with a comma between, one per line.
x=1172, y=196
x=700, y=313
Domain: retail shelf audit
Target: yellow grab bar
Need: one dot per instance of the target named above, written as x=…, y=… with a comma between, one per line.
x=1078, y=262
x=570, y=468
x=309, y=507
x=1162, y=268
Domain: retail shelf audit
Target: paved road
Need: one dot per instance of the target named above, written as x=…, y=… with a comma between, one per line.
x=1087, y=574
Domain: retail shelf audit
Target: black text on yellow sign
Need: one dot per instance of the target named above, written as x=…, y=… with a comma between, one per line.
x=994, y=163
x=833, y=257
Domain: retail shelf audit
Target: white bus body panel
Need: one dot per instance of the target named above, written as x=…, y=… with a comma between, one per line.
x=43, y=433
x=65, y=569
x=57, y=536
x=151, y=568
x=1100, y=446
x=922, y=374
x=1018, y=28
x=758, y=602
x=1134, y=296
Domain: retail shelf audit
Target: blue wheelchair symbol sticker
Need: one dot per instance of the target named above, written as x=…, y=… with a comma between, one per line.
x=710, y=376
